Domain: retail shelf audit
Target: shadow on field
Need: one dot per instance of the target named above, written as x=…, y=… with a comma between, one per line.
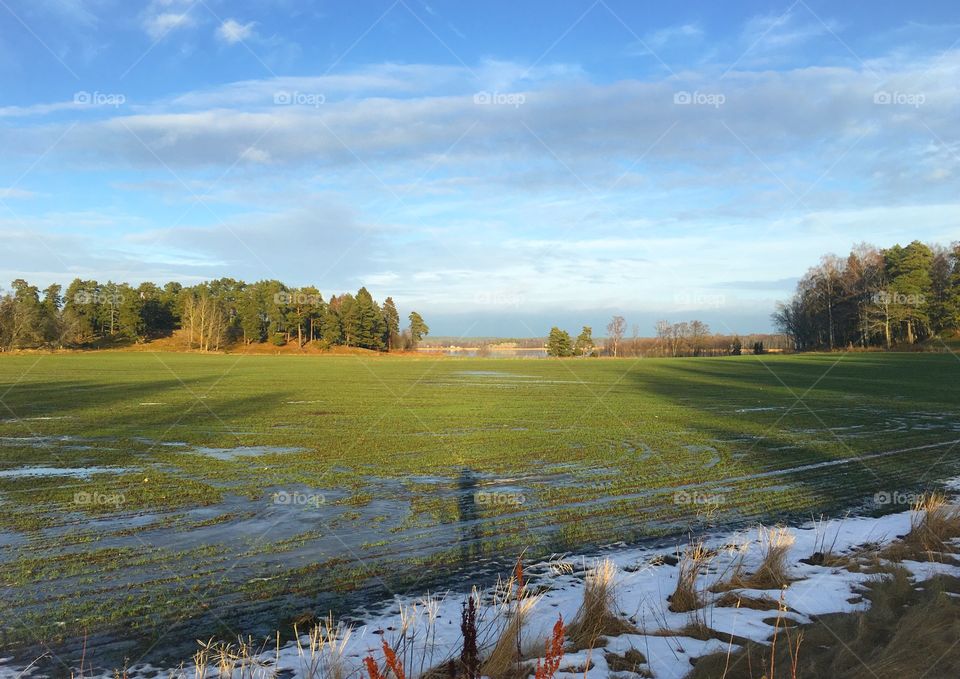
x=830, y=426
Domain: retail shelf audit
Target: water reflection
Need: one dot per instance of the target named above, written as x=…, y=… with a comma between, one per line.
x=474, y=352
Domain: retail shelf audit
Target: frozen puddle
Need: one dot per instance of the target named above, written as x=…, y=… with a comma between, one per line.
x=75, y=472
x=35, y=441
x=642, y=579
x=244, y=451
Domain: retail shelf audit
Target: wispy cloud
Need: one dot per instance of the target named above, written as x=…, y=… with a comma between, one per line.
x=666, y=38
x=163, y=17
x=6, y=193
x=232, y=31
x=777, y=31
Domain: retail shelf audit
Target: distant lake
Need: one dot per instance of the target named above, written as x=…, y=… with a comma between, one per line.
x=491, y=352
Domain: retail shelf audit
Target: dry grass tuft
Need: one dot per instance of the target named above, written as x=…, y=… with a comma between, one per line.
x=504, y=661
x=686, y=597
x=596, y=617
x=933, y=525
x=773, y=572
x=908, y=631
x=321, y=656
x=775, y=544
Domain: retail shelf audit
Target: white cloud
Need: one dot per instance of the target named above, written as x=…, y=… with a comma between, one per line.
x=335, y=121
x=771, y=32
x=6, y=193
x=158, y=26
x=232, y=31
x=666, y=37
x=497, y=198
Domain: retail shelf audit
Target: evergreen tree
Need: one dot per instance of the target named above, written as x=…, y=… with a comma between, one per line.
x=79, y=312
x=418, y=328
x=332, y=326
x=252, y=310
x=941, y=269
x=910, y=288
x=953, y=303
x=559, y=343
x=370, y=325
x=349, y=319
x=156, y=312
x=130, y=321
x=584, y=345
x=27, y=315
x=107, y=304
x=391, y=320
x=51, y=321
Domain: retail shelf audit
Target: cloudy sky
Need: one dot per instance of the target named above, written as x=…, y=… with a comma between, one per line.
x=499, y=166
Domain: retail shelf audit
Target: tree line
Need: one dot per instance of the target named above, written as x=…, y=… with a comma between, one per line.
x=208, y=316
x=901, y=295
x=686, y=338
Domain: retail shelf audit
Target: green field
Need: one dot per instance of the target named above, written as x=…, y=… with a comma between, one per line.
x=168, y=492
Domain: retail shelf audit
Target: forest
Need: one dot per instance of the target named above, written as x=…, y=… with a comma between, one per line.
x=208, y=316
x=897, y=296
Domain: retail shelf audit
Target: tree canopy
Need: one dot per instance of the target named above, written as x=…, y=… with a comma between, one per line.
x=209, y=315
x=875, y=297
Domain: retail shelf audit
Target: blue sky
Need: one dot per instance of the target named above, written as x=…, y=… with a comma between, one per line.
x=500, y=167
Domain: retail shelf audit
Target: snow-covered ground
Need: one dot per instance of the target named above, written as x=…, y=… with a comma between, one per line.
x=428, y=629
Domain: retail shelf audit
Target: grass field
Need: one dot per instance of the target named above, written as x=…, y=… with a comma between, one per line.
x=146, y=496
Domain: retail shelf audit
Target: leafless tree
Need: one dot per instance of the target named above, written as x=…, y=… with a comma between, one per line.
x=615, y=330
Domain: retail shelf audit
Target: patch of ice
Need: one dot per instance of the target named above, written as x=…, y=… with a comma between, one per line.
x=227, y=454
x=75, y=472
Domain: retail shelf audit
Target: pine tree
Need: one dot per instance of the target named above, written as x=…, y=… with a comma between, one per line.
x=392, y=320
x=79, y=312
x=910, y=288
x=370, y=324
x=51, y=324
x=584, y=345
x=27, y=314
x=418, y=328
x=251, y=307
x=332, y=327
x=130, y=313
x=559, y=343
x=349, y=319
